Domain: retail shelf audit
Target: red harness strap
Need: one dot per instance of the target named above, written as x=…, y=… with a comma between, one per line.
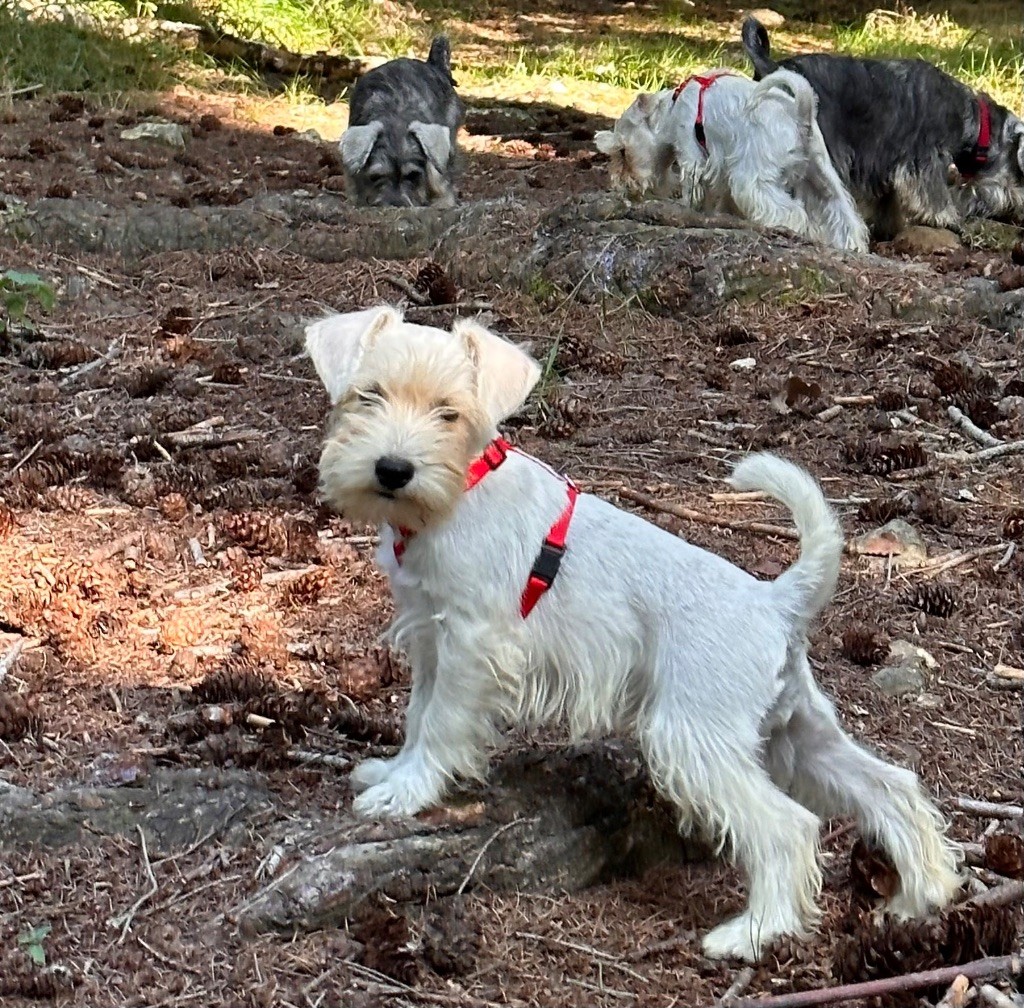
x=545, y=567
x=704, y=82
x=975, y=160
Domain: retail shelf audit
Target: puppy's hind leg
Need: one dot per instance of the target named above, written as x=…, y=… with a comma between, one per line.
x=764, y=201
x=826, y=771
x=712, y=774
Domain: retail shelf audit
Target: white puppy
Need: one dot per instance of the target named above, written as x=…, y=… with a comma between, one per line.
x=640, y=631
x=722, y=142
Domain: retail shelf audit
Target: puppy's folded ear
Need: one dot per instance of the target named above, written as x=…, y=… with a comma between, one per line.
x=337, y=343
x=356, y=144
x=606, y=141
x=436, y=142
x=505, y=373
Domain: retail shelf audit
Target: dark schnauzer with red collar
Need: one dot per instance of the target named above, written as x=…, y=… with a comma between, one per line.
x=895, y=126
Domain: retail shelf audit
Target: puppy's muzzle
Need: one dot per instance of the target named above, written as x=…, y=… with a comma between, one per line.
x=393, y=473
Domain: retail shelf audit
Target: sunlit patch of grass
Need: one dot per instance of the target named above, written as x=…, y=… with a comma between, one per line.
x=352, y=27
x=63, y=57
x=991, y=64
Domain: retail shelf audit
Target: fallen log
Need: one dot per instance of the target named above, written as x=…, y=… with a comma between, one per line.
x=561, y=819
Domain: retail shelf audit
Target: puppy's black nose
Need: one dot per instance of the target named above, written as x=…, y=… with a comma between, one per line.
x=393, y=473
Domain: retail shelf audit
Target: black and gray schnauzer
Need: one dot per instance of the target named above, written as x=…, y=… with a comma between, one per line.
x=399, y=149
x=895, y=126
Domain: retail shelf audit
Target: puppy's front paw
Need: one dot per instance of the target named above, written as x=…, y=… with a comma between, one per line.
x=371, y=772
x=393, y=798
x=739, y=938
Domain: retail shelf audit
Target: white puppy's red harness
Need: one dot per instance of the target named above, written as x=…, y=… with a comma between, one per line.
x=704, y=81
x=549, y=559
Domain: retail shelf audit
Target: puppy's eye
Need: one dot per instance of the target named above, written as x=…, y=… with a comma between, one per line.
x=448, y=415
x=412, y=176
x=370, y=396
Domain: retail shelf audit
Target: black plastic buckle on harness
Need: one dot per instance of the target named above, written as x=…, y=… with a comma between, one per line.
x=698, y=132
x=545, y=567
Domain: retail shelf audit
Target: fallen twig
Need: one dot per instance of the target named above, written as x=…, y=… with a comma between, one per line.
x=1005, y=558
x=416, y=297
x=8, y=660
x=957, y=995
x=125, y=920
x=319, y=759
x=975, y=970
x=605, y=957
x=24, y=458
x=965, y=424
x=113, y=548
x=995, y=998
x=956, y=458
x=198, y=557
x=454, y=306
x=941, y=564
x=193, y=438
x=995, y=810
x=763, y=528
x=26, y=89
x=283, y=577
x=740, y=983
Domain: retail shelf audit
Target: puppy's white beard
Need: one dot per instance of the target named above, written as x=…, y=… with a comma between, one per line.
x=350, y=487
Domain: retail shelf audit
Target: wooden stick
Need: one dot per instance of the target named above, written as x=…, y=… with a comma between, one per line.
x=737, y=987
x=115, y=547
x=996, y=810
x=8, y=660
x=995, y=998
x=890, y=985
x=209, y=439
x=418, y=299
x=956, y=458
x=763, y=528
x=1008, y=672
x=957, y=558
x=965, y=424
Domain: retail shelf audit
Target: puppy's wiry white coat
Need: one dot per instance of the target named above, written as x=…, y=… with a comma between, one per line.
x=764, y=156
x=641, y=632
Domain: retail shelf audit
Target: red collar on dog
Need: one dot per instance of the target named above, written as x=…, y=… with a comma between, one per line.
x=549, y=559
x=975, y=160
x=704, y=83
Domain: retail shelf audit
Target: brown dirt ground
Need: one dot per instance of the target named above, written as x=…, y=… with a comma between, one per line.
x=123, y=615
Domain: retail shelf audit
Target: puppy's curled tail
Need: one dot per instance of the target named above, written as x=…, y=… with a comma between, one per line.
x=440, y=54
x=803, y=95
x=812, y=579
x=758, y=48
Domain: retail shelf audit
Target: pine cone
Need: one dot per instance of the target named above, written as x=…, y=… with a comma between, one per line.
x=177, y=322
x=238, y=680
x=1013, y=525
x=566, y=415
x=52, y=354
x=639, y=435
x=890, y=399
x=306, y=589
x=387, y=944
x=173, y=506
x=293, y=713
x=879, y=458
x=450, y=940
x=257, y=531
x=437, y=285
x=1004, y=852
x=953, y=378
x=935, y=510
x=147, y=380
x=247, y=570
x=362, y=725
x=17, y=717
x=228, y=373
x=608, y=362
x=105, y=468
x=572, y=351
x=933, y=599
x=183, y=628
x=72, y=498
x=864, y=645
x=236, y=495
x=881, y=510
x=8, y=523
x=177, y=417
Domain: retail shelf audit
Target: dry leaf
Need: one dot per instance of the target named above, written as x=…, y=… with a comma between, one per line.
x=796, y=395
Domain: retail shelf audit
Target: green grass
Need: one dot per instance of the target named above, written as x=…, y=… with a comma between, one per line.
x=353, y=27
x=62, y=57
x=991, y=63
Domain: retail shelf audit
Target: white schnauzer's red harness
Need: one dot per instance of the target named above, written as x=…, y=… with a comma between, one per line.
x=704, y=82
x=549, y=559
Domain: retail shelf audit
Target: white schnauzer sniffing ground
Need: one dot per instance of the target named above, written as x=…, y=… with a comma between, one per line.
x=635, y=630
x=723, y=143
